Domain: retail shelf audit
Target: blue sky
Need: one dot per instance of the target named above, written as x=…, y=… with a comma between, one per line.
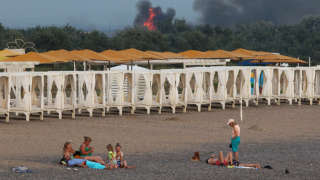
x=100, y=14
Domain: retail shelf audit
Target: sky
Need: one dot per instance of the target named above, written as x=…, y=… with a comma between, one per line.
x=93, y=14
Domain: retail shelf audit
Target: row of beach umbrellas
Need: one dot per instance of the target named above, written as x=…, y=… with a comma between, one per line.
x=132, y=55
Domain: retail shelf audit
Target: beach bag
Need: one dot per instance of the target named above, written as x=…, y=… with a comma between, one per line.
x=21, y=169
x=63, y=161
x=77, y=154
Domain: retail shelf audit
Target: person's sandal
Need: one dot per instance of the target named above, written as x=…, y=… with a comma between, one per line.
x=235, y=163
x=267, y=167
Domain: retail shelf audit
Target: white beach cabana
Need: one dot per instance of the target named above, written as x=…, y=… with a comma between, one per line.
x=4, y=95
x=26, y=94
x=60, y=92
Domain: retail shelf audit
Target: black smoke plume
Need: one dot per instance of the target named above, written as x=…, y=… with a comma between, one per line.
x=161, y=18
x=230, y=12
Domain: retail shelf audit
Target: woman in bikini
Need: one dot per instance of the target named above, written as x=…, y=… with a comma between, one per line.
x=86, y=151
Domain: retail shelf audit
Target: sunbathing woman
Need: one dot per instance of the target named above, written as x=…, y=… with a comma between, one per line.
x=86, y=151
x=221, y=161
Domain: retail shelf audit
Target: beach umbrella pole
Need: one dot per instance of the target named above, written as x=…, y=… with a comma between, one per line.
x=241, y=118
x=309, y=61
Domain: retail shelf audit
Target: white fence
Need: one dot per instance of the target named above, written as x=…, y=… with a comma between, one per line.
x=35, y=93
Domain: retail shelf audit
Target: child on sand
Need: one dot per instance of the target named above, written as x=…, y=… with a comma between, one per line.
x=111, y=157
x=121, y=163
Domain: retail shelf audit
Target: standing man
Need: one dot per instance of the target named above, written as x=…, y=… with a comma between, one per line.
x=235, y=139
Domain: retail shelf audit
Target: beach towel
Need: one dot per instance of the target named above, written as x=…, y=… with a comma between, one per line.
x=94, y=165
x=74, y=162
x=242, y=167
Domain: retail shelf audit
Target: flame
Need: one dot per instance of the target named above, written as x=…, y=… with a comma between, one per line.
x=150, y=23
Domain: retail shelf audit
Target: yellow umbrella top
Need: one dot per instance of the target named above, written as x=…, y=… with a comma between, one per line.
x=250, y=52
x=117, y=56
x=277, y=58
x=90, y=55
x=222, y=54
x=138, y=55
x=33, y=57
x=194, y=54
x=63, y=55
x=173, y=55
x=3, y=58
x=160, y=55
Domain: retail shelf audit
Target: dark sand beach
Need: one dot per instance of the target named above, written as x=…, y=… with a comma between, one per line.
x=161, y=146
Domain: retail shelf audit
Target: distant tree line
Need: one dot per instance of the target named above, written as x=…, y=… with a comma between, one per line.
x=299, y=40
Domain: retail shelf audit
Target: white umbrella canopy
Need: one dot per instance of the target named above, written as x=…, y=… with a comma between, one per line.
x=124, y=67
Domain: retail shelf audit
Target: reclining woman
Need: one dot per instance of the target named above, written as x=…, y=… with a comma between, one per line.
x=86, y=151
x=227, y=161
x=68, y=157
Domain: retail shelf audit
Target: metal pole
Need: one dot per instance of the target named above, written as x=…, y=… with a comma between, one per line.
x=309, y=61
x=84, y=66
x=74, y=66
x=131, y=65
x=241, y=118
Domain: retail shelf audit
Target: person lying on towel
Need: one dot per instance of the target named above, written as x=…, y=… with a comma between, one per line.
x=227, y=161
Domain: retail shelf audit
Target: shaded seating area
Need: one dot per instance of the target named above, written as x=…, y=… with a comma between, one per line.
x=56, y=92
x=112, y=81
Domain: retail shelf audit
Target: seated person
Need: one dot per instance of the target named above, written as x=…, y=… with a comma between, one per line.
x=86, y=151
x=120, y=158
x=221, y=161
x=111, y=157
x=68, y=156
x=85, y=148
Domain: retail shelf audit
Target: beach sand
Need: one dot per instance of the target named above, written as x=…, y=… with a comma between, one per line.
x=161, y=146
